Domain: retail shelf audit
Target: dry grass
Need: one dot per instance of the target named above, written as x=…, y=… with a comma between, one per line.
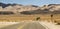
x=14, y=18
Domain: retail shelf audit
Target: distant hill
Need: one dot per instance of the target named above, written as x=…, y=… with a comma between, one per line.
x=3, y=5
x=46, y=9
x=30, y=9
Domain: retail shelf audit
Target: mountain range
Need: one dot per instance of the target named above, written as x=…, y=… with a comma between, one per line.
x=30, y=9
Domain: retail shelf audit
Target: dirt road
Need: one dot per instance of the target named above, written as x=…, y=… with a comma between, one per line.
x=25, y=25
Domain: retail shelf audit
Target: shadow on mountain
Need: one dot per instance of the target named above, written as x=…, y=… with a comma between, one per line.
x=46, y=11
x=6, y=13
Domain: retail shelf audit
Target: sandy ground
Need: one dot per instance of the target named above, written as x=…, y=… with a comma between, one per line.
x=50, y=25
x=4, y=24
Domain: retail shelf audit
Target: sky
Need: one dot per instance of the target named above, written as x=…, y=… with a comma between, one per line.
x=31, y=2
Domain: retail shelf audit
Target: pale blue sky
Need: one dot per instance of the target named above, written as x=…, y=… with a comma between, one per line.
x=34, y=2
